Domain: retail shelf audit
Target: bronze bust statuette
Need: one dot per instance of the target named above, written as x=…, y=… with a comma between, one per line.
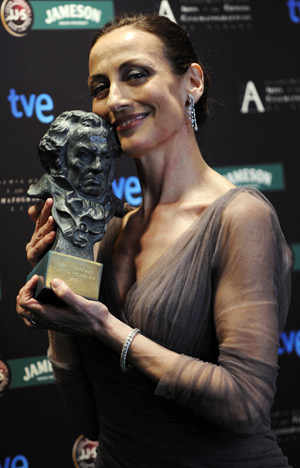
x=78, y=152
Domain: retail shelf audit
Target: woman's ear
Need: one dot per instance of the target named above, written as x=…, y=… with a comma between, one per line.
x=195, y=78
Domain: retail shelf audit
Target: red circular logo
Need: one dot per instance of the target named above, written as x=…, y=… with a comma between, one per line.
x=16, y=16
x=4, y=377
x=84, y=452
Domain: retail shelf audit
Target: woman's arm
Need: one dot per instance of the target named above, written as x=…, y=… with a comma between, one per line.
x=62, y=352
x=72, y=382
x=250, y=307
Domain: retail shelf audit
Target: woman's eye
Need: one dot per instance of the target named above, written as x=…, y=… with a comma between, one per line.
x=99, y=90
x=136, y=74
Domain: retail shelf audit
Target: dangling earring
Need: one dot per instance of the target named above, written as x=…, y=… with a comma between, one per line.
x=192, y=113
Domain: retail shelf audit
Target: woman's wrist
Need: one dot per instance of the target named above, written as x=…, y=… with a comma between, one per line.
x=114, y=333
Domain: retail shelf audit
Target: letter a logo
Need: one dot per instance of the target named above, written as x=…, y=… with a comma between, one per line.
x=165, y=10
x=251, y=95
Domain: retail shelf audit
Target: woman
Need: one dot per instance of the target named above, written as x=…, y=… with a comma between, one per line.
x=195, y=287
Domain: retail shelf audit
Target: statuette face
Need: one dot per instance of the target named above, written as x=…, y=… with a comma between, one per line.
x=78, y=152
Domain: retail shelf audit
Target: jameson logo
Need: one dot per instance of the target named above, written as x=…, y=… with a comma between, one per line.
x=71, y=15
x=39, y=370
x=31, y=371
x=296, y=256
x=263, y=176
x=70, y=12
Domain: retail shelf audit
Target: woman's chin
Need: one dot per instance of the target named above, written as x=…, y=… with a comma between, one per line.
x=134, y=150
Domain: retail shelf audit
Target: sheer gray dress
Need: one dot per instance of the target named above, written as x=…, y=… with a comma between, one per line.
x=219, y=297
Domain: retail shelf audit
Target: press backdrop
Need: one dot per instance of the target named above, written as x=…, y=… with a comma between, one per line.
x=251, y=49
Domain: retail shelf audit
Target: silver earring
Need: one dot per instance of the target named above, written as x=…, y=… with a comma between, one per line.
x=192, y=113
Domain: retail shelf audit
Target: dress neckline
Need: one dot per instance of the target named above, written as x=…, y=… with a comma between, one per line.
x=168, y=251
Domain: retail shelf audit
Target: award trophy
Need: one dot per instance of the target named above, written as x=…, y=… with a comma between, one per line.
x=78, y=152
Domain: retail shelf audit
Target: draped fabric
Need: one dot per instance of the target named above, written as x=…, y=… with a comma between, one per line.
x=219, y=297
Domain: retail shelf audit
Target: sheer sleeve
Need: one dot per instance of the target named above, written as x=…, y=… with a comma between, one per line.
x=252, y=265
x=75, y=387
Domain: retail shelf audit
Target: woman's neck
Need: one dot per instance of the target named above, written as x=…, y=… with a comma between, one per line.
x=171, y=174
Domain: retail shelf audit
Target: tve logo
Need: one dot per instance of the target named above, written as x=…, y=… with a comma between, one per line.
x=20, y=105
x=17, y=462
x=129, y=188
x=293, y=6
x=289, y=343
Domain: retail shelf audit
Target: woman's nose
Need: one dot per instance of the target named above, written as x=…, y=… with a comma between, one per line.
x=117, y=98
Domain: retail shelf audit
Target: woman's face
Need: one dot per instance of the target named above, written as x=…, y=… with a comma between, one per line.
x=134, y=89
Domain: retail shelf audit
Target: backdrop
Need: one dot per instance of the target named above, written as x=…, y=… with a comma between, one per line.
x=251, y=49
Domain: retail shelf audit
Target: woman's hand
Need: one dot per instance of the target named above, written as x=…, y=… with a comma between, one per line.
x=44, y=233
x=78, y=315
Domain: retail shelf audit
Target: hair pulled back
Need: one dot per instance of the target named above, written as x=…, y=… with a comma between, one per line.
x=177, y=47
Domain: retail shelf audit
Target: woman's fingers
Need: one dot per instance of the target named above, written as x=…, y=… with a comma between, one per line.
x=44, y=213
x=39, y=244
x=27, y=292
x=35, y=210
x=64, y=292
x=86, y=316
x=39, y=210
x=44, y=233
x=25, y=302
x=75, y=315
x=34, y=313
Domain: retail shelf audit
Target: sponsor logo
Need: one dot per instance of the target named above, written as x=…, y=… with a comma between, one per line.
x=286, y=425
x=252, y=97
x=263, y=177
x=16, y=17
x=84, y=452
x=289, y=342
x=296, y=256
x=71, y=14
x=128, y=189
x=166, y=10
x=218, y=14
x=275, y=95
x=4, y=377
x=18, y=461
x=28, y=372
x=13, y=194
x=40, y=105
x=294, y=10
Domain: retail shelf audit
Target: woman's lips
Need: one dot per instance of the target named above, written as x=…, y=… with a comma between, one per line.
x=129, y=122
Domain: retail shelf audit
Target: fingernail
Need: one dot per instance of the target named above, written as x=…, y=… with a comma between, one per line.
x=56, y=283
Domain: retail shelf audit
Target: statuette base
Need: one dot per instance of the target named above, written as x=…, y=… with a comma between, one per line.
x=81, y=275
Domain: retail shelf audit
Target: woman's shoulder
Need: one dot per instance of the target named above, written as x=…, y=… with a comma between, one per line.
x=248, y=204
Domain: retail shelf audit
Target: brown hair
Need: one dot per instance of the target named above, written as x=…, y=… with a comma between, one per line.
x=178, y=48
